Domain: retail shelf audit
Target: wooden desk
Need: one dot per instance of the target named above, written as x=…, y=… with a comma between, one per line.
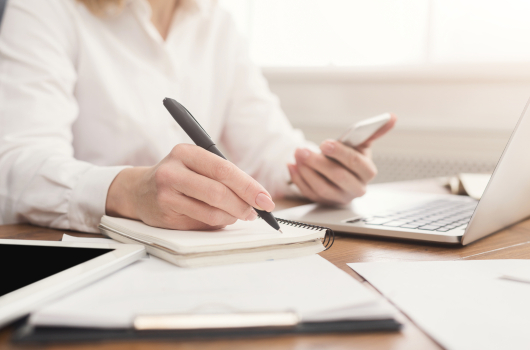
x=512, y=243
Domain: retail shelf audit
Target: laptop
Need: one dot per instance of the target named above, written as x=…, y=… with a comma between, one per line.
x=438, y=217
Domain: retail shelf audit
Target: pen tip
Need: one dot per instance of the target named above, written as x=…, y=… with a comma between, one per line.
x=280, y=231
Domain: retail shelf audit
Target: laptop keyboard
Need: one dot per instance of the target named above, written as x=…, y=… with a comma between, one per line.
x=439, y=215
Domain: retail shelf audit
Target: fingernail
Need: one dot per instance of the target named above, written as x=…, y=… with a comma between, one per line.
x=252, y=216
x=303, y=153
x=327, y=147
x=264, y=202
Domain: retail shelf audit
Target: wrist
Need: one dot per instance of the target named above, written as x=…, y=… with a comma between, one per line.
x=122, y=194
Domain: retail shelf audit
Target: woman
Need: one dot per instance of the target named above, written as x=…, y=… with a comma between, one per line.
x=83, y=131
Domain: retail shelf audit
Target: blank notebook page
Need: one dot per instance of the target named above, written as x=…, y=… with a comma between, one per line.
x=241, y=235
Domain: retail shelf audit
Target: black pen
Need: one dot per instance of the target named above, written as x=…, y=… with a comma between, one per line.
x=201, y=138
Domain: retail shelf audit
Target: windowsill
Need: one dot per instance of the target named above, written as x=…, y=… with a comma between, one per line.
x=461, y=72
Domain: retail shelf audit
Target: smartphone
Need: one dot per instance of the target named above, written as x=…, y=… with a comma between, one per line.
x=363, y=130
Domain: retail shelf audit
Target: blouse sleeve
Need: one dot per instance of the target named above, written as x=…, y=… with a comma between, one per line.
x=40, y=180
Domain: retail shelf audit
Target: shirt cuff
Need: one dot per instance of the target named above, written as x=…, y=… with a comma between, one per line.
x=89, y=198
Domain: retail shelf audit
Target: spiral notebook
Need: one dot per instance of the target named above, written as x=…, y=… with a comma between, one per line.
x=241, y=242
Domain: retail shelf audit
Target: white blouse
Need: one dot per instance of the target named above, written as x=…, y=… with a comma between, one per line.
x=81, y=98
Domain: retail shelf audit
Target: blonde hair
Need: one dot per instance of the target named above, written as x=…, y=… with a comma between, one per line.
x=102, y=7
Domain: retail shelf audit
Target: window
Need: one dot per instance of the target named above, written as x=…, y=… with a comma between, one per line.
x=316, y=33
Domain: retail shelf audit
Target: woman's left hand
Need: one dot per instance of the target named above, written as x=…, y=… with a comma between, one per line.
x=340, y=173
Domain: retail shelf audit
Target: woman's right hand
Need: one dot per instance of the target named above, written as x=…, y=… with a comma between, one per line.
x=190, y=189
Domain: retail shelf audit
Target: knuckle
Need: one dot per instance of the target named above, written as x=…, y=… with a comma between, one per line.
x=163, y=174
x=182, y=150
x=222, y=170
x=177, y=150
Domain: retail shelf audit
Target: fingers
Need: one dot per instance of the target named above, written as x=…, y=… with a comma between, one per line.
x=331, y=170
x=382, y=130
x=178, y=221
x=193, y=189
x=211, y=192
x=223, y=171
x=175, y=205
x=304, y=188
x=188, y=224
x=326, y=191
x=353, y=160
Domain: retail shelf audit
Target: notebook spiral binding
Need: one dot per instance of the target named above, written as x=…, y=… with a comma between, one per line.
x=329, y=238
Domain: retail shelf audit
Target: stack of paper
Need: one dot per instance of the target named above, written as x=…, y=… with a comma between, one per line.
x=461, y=304
x=469, y=184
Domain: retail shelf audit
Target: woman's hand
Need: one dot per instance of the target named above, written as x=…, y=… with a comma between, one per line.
x=340, y=173
x=190, y=189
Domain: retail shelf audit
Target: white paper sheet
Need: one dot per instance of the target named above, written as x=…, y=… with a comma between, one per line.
x=461, y=304
x=311, y=286
x=474, y=184
x=520, y=274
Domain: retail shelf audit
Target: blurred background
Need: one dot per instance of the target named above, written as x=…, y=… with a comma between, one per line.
x=456, y=72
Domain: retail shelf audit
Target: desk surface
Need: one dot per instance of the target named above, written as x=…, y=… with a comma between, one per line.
x=512, y=243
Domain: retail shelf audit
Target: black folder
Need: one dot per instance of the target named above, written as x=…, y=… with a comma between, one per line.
x=28, y=334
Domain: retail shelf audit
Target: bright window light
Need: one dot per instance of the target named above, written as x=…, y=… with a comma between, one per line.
x=480, y=31
x=302, y=33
